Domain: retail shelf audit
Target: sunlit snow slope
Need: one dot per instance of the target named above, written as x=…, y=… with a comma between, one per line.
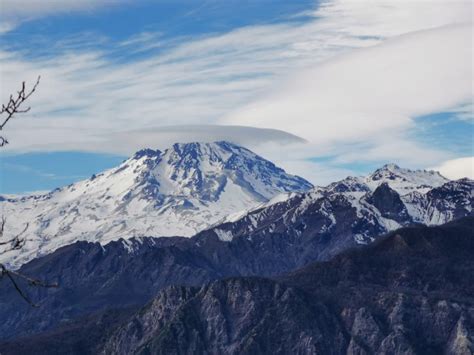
x=177, y=192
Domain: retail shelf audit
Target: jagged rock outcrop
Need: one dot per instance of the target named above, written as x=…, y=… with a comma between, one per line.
x=389, y=203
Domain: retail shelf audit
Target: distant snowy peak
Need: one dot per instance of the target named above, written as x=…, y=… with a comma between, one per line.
x=355, y=210
x=405, y=180
x=402, y=180
x=193, y=172
x=203, y=170
x=176, y=192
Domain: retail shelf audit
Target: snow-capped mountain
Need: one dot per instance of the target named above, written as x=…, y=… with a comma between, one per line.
x=326, y=220
x=282, y=234
x=408, y=182
x=177, y=192
x=399, y=179
x=428, y=197
x=405, y=180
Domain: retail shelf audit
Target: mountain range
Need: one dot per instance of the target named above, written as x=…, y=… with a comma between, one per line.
x=240, y=228
x=408, y=293
x=193, y=187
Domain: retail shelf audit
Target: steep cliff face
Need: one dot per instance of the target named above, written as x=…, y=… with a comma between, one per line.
x=389, y=203
x=234, y=316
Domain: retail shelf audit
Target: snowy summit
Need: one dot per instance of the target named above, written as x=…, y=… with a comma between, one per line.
x=177, y=192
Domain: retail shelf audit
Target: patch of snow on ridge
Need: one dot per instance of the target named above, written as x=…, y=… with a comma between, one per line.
x=225, y=236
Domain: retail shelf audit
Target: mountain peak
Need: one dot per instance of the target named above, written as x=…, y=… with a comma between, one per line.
x=387, y=170
x=175, y=192
x=221, y=150
x=206, y=170
x=405, y=180
x=147, y=152
x=197, y=150
x=194, y=150
x=391, y=167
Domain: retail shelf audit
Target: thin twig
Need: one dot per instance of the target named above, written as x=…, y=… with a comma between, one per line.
x=17, y=288
x=17, y=242
x=2, y=226
x=13, y=106
x=31, y=282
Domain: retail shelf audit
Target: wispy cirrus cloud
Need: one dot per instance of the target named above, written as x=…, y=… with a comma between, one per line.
x=13, y=12
x=342, y=76
x=367, y=93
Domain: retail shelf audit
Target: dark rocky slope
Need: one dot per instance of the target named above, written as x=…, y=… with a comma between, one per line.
x=411, y=292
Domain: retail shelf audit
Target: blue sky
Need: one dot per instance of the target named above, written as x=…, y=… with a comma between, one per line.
x=46, y=171
x=170, y=21
x=445, y=129
x=115, y=73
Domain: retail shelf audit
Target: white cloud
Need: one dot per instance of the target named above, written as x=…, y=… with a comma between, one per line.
x=457, y=168
x=340, y=80
x=127, y=143
x=372, y=91
x=163, y=137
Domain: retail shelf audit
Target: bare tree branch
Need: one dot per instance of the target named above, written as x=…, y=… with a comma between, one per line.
x=18, y=241
x=13, y=107
x=31, y=282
